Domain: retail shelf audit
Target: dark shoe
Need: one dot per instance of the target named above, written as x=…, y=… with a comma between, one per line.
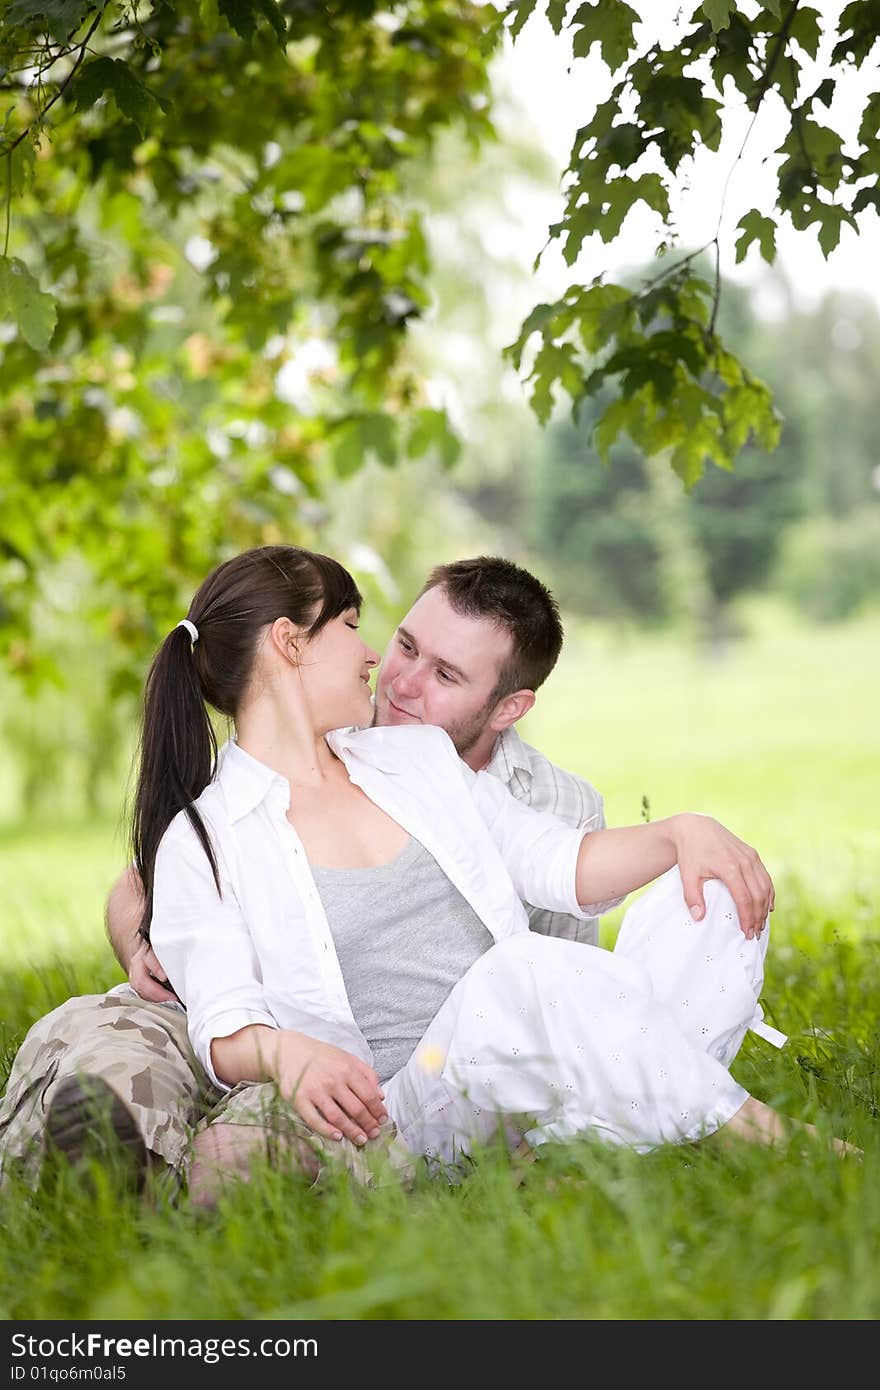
x=87, y=1119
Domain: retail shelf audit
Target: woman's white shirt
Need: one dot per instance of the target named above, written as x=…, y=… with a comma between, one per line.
x=262, y=951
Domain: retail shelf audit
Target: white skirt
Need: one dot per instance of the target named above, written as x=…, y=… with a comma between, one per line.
x=550, y=1038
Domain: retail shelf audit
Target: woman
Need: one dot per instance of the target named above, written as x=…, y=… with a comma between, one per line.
x=340, y=908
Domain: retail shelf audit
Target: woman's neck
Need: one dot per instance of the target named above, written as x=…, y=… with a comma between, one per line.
x=286, y=742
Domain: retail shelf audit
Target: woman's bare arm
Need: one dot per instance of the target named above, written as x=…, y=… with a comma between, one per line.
x=612, y=863
x=336, y=1093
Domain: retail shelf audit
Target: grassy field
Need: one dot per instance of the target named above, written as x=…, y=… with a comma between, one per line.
x=779, y=738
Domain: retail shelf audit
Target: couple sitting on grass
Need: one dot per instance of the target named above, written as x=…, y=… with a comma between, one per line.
x=366, y=932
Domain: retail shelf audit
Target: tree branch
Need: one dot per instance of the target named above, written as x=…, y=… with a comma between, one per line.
x=62, y=86
x=778, y=50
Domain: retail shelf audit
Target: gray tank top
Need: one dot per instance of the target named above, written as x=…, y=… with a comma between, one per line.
x=404, y=936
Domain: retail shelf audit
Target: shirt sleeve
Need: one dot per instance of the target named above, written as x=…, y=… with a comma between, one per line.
x=539, y=851
x=203, y=942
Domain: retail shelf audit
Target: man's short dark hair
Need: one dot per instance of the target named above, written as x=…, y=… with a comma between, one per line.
x=497, y=589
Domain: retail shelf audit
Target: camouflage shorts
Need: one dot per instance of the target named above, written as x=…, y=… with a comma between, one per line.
x=289, y=1140
x=142, y=1050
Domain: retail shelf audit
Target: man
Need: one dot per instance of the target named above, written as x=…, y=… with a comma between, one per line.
x=469, y=656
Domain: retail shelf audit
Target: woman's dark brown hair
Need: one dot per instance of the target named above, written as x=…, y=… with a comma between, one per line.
x=233, y=607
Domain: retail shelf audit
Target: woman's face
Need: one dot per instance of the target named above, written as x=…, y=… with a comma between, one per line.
x=334, y=668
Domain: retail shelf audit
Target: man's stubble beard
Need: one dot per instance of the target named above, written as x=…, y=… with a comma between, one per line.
x=464, y=734
x=469, y=732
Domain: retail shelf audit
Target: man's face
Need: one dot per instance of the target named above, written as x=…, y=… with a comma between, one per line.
x=441, y=668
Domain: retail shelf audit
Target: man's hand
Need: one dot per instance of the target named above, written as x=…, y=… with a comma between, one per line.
x=147, y=978
x=123, y=915
x=706, y=849
x=335, y=1093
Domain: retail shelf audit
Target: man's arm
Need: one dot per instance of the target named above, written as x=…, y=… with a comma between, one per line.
x=122, y=919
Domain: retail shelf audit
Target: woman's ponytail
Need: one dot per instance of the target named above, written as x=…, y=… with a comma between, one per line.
x=178, y=752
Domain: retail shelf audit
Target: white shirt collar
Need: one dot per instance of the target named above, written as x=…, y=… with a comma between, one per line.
x=246, y=782
x=388, y=747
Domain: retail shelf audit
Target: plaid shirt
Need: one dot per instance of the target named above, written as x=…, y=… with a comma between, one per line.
x=532, y=778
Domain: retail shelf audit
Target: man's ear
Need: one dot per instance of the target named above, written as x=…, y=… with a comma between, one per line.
x=510, y=709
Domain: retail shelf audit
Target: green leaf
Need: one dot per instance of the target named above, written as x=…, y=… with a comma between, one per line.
x=613, y=421
x=22, y=300
x=554, y=363
x=823, y=93
x=869, y=128
x=379, y=433
x=431, y=431
x=540, y=315
x=867, y=198
x=103, y=76
x=604, y=311
x=699, y=444
x=315, y=172
x=718, y=13
x=609, y=24
x=859, y=25
x=829, y=231
x=59, y=17
x=521, y=11
x=556, y=14
x=805, y=30
x=357, y=436
x=606, y=210
x=243, y=16
x=347, y=448
x=240, y=15
x=20, y=167
x=275, y=15
x=756, y=227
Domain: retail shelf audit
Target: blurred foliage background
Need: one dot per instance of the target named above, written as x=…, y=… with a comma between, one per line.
x=236, y=363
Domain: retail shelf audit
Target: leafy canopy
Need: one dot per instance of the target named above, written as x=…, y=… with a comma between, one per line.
x=202, y=198
x=677, y=388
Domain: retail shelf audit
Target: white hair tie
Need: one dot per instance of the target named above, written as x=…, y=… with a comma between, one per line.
x=191, y=629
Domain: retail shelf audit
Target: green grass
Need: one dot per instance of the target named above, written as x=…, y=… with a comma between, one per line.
x=590, y=1233
x=780, y=740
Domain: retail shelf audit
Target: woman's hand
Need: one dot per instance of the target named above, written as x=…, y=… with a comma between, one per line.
x=336, y=1093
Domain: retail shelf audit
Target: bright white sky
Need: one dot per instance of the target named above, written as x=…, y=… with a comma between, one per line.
x=555, y=96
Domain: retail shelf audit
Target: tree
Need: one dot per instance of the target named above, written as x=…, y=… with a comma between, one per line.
x=203, y=196
x=678, y=389
x=626, y=540
x=203, y=201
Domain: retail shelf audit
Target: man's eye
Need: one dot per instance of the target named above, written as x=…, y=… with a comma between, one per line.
x=446, y=677
x=404, y=645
